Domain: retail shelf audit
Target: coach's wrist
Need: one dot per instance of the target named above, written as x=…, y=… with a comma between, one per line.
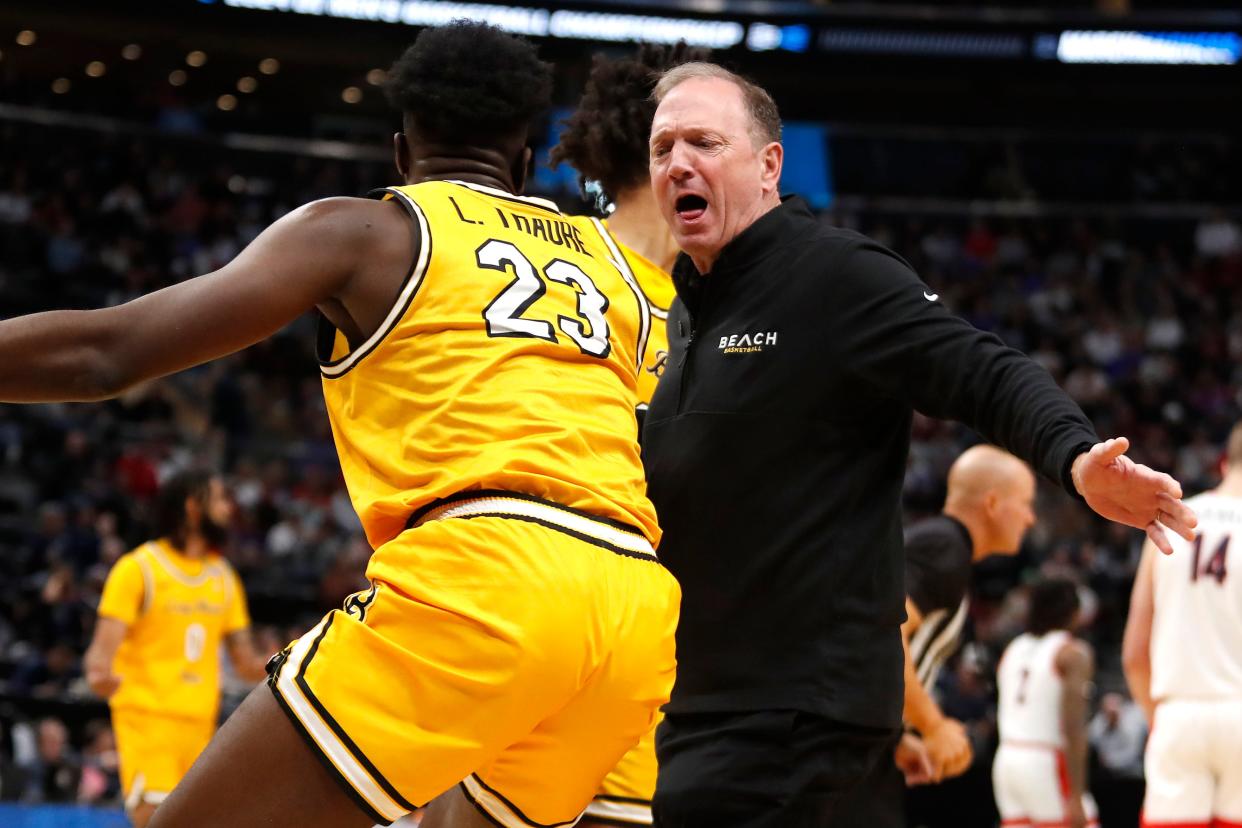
x=1076, y=472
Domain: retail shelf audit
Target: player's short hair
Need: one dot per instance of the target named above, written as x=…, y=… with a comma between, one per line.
x=169, y=515
x=1052, y=605
x=469, y=81
x=1233, y=448
x=605, y=139
x=765, y=118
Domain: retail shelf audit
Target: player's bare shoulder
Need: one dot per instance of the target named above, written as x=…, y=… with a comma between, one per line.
x=365, y=227
x=374, y=244
x=1076, y=657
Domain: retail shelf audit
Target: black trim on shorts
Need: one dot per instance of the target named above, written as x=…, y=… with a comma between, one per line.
x=353, y=748
x=515, y=809
x=322, y=757
x=482, y=811
x=594, y=541
x=477, y=494
x=628, y=800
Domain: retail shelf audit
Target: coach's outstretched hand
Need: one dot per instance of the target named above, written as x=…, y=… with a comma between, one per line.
x=1119, y=489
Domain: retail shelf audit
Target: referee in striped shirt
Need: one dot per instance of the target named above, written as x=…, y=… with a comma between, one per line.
x=989, y=507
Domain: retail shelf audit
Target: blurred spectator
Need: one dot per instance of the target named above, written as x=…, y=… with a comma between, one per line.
x=101, y=781
x=1218, y=236
x=1118, y=734
x=52, y=771
x=49, y=674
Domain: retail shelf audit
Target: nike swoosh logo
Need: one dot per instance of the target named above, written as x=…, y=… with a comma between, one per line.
x=931, y=297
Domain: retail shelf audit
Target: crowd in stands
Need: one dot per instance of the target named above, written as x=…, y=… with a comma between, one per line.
x=1137, y=318
x=1038, y=167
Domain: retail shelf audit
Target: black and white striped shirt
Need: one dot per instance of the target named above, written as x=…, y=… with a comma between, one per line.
x=938, y=563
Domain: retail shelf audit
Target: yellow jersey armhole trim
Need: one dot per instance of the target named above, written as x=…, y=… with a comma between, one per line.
x=623, y=267
x=656, y=311
x=335, y=368
x=148, y=577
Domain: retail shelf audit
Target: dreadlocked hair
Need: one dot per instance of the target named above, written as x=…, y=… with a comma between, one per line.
x=469, y=81
x=605, y=139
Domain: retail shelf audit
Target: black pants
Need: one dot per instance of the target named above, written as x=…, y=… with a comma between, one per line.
x=775, y=768
x=879, y=801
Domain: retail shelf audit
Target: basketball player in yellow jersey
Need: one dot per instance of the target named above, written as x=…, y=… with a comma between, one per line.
x=166, y=608
x=479, y=361
x=605, y=140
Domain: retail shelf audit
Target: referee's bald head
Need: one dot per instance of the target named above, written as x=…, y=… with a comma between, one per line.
x=985, y=468
x=993, y=494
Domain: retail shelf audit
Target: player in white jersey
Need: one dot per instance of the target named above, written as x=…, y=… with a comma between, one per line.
x=1183, y=660
x=1040, y=772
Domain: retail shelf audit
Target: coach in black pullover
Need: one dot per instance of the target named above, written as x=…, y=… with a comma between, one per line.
x=775, y=449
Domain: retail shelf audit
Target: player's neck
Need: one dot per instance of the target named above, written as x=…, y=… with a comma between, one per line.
x=1231, y=486
x=195, y=547
x=471, y=165
x=637, y=223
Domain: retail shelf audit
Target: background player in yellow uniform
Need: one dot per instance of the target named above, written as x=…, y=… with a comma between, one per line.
x=166, y=608
x=480, y=360
x=605, y=140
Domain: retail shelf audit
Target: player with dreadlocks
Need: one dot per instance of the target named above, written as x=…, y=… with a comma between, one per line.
x=480, y=357
x=605, y=140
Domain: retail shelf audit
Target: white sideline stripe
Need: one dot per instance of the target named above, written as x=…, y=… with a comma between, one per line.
x=499, y=810
x=526, y=508
x=357, y=775
x=620, y=811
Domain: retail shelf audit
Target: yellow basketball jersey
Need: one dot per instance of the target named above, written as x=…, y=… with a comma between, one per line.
x=508, y=362
x=657, y=287
x=178, y=611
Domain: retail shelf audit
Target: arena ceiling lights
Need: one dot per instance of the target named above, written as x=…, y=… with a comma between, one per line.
x=724, y=32
x=533, y=21
x=1181, y=48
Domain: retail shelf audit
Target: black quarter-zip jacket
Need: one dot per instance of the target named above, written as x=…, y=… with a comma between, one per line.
x=775, y=448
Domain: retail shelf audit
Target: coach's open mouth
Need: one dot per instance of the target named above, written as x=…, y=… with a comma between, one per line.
x=690, y=207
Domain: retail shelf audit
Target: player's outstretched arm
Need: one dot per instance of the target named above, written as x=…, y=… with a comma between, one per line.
x=98, y=659
x=1136, y=645
x=1127, y=492
x=306, y=258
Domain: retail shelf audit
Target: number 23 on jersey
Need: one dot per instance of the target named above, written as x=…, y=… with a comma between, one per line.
x=506, y=314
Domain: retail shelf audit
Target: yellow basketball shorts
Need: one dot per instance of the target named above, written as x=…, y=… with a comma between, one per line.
x=510, y=646
x=156, y=751
x=624, y=797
